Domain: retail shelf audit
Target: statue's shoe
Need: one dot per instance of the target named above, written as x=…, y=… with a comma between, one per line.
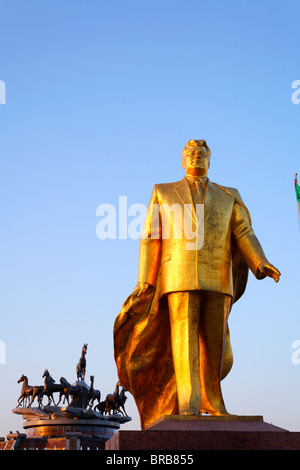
x=189, y=412
x=216, y=412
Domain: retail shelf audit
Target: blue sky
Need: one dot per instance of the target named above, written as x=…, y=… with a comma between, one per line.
x=101, y=97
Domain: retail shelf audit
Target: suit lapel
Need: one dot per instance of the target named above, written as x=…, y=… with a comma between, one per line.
x=183, y=191
x=209, y=200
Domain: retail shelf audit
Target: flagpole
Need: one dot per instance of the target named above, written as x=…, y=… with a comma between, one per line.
x=296, y=184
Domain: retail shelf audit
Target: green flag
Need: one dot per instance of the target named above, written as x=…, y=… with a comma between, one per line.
x=297, y=189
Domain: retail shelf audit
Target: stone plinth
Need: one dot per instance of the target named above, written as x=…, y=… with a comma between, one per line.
x=212, y=423
x=66, y=427
x=206, y=433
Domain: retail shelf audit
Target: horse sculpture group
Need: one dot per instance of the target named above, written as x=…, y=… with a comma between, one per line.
x=81, y=397
x=114, y=403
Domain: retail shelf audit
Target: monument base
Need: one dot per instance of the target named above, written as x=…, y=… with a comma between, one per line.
x=206, y=433
x=70, y=428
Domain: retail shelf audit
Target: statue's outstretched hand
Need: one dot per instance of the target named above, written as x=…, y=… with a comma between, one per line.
x=267, y=269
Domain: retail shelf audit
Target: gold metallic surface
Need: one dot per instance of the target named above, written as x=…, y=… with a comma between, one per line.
x=171, y=338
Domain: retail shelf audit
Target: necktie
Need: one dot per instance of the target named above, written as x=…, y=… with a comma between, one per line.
x=198, y=182
x=198, y=185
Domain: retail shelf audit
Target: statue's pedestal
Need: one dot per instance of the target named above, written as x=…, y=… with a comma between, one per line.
x=206, y=433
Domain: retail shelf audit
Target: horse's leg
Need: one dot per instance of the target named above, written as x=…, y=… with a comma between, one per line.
x=31, y=401
x=49, y=398
x=20, y=400
x=40, y=399
x=53, y=399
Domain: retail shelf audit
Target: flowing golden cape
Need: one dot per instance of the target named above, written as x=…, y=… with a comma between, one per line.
x=142, y=347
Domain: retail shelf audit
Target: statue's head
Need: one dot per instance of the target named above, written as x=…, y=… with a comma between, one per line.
x=196, y=157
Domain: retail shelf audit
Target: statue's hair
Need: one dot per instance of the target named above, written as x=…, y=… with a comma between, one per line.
x=194, y=143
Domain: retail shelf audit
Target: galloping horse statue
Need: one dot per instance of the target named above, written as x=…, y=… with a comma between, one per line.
x=93, y=394
x=68, y=390
x=50, y=386
x=65, y=391
x=26, y=391
x=38, y=392
x=81, y=366
x=114, y=402
x=121, y=399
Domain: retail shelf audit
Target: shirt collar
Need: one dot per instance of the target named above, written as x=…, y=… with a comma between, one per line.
x=192, y=178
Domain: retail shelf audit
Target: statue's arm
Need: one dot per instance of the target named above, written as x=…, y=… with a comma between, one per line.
x=249, y=246
x=150, y=245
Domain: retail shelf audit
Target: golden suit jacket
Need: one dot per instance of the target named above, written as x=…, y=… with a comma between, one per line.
x=206, y=261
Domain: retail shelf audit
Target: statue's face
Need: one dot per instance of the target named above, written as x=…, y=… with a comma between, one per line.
x=197, y=160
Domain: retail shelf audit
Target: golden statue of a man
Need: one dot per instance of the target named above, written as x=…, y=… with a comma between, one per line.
x=171, y=339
